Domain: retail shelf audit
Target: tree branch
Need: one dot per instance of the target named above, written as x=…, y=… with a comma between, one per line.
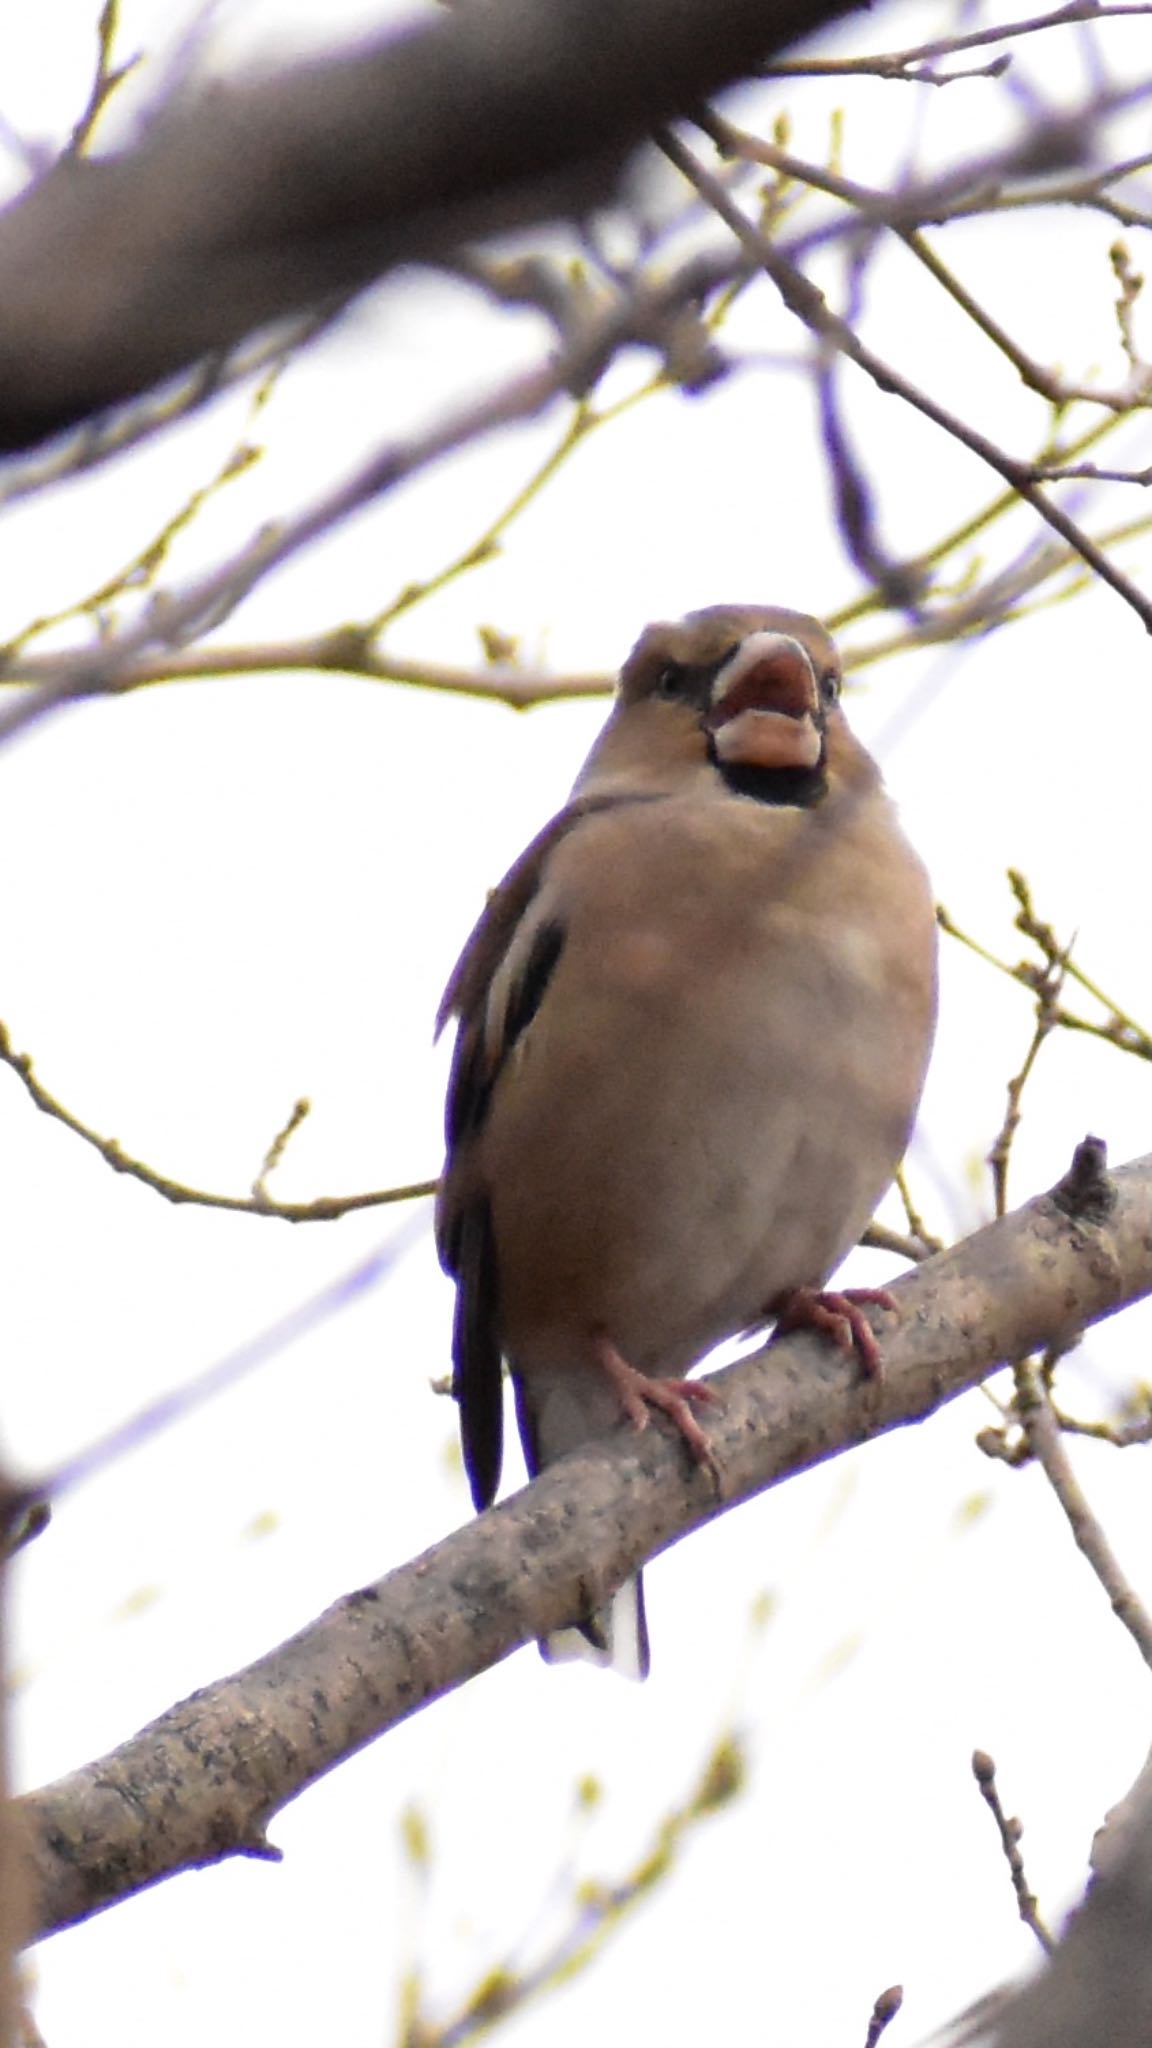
x=321, y=1209
x=809, y=305
x=1098, y=1988
x=911, y=64
x=251, y=202
x=202, y=1782
x=649, y=311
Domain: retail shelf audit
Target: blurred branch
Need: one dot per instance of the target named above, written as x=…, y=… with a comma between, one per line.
x=651, y=311
x=140, y=573
x=130, y=426
x=1122, y=1435
x=107, y=76
x=597, y=1912
x=350, y=650
x=246, y=203
x=884, y=2012
x=16, y=1905
x=204, y=1780
x=583, y=420
x=1093, y=191
x=177, y=1403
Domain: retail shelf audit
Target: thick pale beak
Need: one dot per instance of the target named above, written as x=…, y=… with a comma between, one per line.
x=765, y=705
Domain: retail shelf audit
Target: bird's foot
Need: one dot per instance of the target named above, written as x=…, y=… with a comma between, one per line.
x=638, y=1392
x=840, y=1315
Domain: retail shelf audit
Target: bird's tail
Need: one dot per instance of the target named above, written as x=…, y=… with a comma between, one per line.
x=615, y=1635
x=559, y=1411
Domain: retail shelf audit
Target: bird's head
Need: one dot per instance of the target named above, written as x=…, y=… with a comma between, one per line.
x=744, y=692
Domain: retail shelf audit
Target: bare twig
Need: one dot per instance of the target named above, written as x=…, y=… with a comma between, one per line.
x=878, y=1238
x=1010, y=1831
x=212, y=597
x=803, y=299
x=914, y=64
x=171, y=1408
x=107, y=76
x=324, y=1209
x=1047, y=995
x=343, y=649
x=902, y=213
x=276, y=1150
x=883, y=2013
x=1033, y=1407
x=646, y=311
x=130, y=426
x=139, y=574
x=1098, y=1987
x=916, y=1227
x=352, y=649
x=1122, y=1435
x=487, y=544
x=600, y=1910
x=1118, y=1028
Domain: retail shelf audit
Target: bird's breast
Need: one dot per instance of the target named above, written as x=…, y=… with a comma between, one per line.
x=711, y=1099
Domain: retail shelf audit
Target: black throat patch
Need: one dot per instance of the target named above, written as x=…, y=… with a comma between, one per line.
x=800, y=787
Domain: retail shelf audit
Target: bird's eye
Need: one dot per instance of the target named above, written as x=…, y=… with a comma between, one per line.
x=830, y=685
x=672, y=680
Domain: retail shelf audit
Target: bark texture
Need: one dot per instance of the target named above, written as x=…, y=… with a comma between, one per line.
x=202, y=1781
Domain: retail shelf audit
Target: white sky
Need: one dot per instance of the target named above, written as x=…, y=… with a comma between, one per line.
x=223, y=896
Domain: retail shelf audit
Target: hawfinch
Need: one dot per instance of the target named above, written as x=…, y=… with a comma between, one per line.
x=694, y=1020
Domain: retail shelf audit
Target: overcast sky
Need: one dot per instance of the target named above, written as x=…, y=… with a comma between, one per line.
x=223, y=896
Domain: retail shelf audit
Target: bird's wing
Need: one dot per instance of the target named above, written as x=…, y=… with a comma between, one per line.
x=494, y=991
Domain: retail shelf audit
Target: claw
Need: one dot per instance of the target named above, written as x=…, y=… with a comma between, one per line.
x=840, y=1315
x=639, y=1391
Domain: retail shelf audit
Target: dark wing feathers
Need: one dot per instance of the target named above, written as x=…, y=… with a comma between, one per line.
x=463, y=1217
x=526, y=997
x=476, y=1352
x=495, y=928
x=467, y=1247
x=478, y=1064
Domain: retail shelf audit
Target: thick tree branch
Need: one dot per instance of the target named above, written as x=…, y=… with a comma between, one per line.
x=252, y=202
x=648, y=312
x=203, y=1781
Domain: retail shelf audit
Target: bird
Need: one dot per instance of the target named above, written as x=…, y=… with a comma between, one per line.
x=692, y=1028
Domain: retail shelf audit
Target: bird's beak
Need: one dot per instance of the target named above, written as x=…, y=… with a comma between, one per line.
x=765, y=705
